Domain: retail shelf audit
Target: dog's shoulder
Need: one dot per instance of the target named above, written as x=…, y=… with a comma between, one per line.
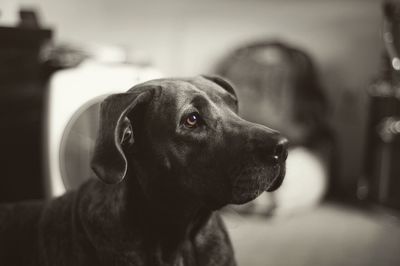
x=61, y=231
x=55, y=220
x=19, y=214
x=18, y=231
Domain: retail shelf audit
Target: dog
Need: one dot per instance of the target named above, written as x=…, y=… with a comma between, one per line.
x=169, y=154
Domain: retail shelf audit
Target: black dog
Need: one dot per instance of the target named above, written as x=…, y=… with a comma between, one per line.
x=170, y=152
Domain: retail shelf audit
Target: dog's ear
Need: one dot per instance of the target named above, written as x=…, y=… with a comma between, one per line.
x=222, y=83
x=115, y=131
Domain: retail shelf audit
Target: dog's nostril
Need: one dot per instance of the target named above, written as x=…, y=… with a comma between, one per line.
x=281, y=152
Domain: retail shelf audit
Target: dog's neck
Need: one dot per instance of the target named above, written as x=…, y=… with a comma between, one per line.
x=169, y=227
x=170, y=224
x=129, y=217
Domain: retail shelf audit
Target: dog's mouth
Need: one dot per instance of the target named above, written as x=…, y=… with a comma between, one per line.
x=252, y=181
x=278, y=180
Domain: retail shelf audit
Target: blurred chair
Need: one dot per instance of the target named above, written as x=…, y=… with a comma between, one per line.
x=278, y=86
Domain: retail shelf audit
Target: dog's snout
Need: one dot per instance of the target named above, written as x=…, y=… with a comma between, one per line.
x=269, y=144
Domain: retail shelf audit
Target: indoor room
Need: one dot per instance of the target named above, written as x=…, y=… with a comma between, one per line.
x=185, y=132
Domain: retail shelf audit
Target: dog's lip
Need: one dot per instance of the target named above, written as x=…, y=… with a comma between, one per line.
x=264, y=183
x=278, y=179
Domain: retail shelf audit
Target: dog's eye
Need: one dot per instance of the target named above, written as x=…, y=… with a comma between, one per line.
x=192, y=120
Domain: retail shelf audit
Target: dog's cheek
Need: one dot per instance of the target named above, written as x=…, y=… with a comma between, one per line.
x=197, y=170
x=204, y=185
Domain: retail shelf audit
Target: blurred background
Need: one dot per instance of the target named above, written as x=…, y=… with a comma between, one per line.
x=332, y=67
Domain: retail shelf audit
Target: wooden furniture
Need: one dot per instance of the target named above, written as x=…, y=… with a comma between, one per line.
x=23, y=79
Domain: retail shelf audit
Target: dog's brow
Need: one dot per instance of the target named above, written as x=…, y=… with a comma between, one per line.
x=199, y=99
x=183, y=101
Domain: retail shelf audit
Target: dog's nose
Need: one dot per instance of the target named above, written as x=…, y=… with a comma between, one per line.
x=281, y=152
x=269, y=144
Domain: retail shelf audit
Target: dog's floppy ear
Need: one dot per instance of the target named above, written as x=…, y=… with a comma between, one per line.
x=223, y=83
x=115, y=130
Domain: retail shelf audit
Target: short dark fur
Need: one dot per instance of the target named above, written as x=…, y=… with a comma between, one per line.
x=160, y=185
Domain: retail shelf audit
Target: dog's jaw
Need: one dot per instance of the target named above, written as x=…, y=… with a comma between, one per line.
x=252, y=181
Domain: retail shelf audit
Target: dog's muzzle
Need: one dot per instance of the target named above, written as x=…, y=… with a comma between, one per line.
x=263, y=169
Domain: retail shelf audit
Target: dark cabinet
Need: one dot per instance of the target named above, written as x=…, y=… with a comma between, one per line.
x=23, y=81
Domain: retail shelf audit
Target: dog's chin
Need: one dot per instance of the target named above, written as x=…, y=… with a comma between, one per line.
x=252, y=182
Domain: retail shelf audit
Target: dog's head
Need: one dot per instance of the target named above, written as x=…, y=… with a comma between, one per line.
x=183, y=139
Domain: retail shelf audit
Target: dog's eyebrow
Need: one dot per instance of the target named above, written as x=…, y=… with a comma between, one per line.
x=199, y=100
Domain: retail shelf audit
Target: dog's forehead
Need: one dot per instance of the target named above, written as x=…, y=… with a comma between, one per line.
x=180, y=90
